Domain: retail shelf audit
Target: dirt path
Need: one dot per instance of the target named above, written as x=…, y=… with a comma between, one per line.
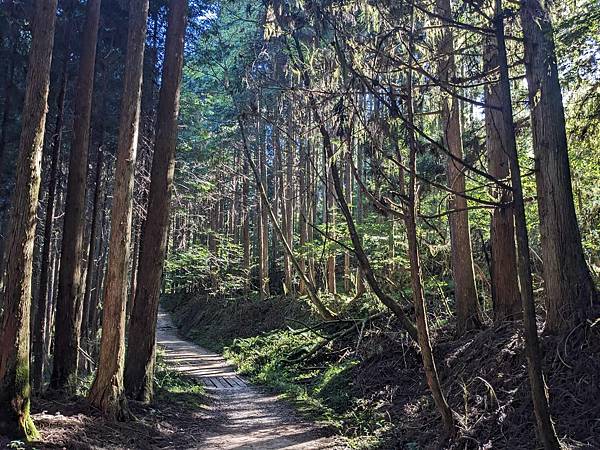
x=244, y=417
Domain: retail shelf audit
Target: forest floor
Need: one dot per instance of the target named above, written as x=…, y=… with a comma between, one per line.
x=246, y=417
x=368, y=381
x=201, y=403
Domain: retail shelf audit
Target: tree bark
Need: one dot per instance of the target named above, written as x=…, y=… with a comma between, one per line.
x=569, y=288
x=106, y=393
x=246, y=223
x=39, y=335
x=416, y=276
x=69, y=301
x=139, y=365
x=546, y=431
x=15, y=389
x=505, y=285
x=465, y=291
x=263, y=218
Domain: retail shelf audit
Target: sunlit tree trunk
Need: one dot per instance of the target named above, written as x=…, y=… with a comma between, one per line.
x=263, y=218
x=246, y=222
x=410, y=218
x=465, y=291
x=15, y=389
x=142, y=326
x=569, y=288
x=106, y=393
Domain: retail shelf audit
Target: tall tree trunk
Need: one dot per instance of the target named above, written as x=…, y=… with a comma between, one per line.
x=303, y=174
x=505, y=286
x=416, y=276
x=142, y=325
x=246, y=223
x=360, y=209
x=263, y=219
x=106, y=393
x=288, y=197
x=569, y=288
x=39, y=335
x=546, y=431
x=330, y=223
x=69, y=302
x=15, y=389
x=465, y=291
x=92, y=261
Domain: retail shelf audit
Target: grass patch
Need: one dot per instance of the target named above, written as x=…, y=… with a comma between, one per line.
x=176, y=387
x=319, y=386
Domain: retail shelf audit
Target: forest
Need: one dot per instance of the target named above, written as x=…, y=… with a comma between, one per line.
x=309, y=224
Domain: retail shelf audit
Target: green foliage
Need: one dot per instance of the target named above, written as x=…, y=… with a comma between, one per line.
x=283, y=360
x=177, y=387
x=215, y=273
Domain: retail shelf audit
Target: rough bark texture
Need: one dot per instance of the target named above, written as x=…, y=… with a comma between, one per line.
x=15, y=390
x=505, y=285
x=139, y=369
x=545, y=426
x=106, y=393
x=463, y=273
x=568, y=286
x=69, y=301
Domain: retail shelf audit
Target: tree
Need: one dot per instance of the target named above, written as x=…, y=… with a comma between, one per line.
x=69, y=302
x=139, y=368
x=539, y=395
x=569, y=288
x=39, y=335
x=107, y=390
x=14, y=335
x=505, y=288
x=463, y=274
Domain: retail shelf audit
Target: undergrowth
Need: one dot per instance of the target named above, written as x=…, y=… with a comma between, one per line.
x=365, y=377
x=321, y=389
x=176, y=387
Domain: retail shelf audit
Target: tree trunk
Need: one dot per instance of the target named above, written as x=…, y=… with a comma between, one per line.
x=505, y=286
x=15, y=389
x=142, y=325
x=69, y=302
x=416, y=276
x=569, y=288
x=330, y=223
x=106, y=393
x=39, y=335
x=246, y=223
x=263, y=219
x=465, y=291
x=288, y=197
x=546, y=431
x=92, y=261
